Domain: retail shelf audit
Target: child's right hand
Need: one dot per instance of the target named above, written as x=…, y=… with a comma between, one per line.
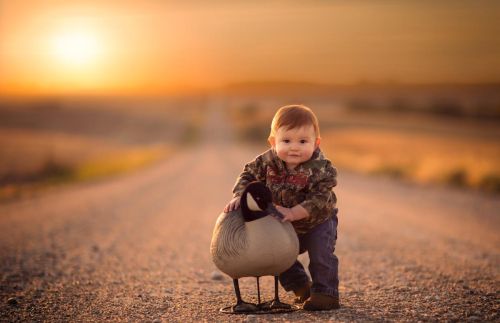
x=234, y=204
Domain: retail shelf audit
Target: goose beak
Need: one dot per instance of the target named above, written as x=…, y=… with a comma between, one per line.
x=271, y=209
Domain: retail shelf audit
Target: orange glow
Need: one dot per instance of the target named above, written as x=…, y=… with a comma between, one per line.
x=157, y=46
x=75, y=47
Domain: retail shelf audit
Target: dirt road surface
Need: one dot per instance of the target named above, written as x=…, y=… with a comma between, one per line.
x=136, y=248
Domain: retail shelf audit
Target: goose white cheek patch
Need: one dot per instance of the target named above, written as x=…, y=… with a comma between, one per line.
x=252, y=205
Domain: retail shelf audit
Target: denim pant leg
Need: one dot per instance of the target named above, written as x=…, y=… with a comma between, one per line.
x=294, y=277
x=324, y=265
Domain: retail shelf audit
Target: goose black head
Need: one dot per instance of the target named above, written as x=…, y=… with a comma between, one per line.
x=257, y=202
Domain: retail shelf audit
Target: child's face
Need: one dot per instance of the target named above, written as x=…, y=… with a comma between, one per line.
x=295, y=146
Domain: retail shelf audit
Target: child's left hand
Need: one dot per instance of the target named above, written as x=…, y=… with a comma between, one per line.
x=287, y=213
x=292, y=214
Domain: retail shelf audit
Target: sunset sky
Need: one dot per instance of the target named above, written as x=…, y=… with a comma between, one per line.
x=56, y=47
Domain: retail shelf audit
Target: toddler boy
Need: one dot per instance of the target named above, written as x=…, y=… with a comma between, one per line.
x=301, y=181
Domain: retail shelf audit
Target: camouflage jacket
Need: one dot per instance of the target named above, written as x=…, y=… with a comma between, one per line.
x=309, y=184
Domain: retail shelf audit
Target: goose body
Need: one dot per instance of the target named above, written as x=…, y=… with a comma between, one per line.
x=253, y=242
x=263, y=247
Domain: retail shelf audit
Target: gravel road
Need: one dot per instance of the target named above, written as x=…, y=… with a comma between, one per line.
x=136, y=248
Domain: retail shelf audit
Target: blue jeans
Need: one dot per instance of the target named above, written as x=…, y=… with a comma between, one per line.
x=323, y=265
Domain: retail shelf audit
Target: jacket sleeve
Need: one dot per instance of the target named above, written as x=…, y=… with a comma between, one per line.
x=253, y=171
x=321, y=200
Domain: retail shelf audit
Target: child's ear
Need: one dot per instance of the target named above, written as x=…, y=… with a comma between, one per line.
x=316, y=145
x=272, y=141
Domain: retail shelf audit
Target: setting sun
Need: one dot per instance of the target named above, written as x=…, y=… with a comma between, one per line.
x=150, y=46
x=76, y=47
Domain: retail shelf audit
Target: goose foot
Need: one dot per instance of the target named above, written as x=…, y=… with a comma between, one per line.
x=274, y=305
x=244, y=307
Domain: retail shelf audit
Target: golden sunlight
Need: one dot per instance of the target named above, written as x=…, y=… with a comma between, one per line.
x=76, y=47
x=152, y=46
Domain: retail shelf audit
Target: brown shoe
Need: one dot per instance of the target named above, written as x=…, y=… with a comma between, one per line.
x=321, y=302
x=302, y=293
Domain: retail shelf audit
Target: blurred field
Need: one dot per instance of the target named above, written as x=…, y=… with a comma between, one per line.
x=53, y=141
x=415, y=146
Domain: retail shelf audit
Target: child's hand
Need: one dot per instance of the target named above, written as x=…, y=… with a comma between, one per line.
x=287, y=213
x=234, y=204
x=292, y=214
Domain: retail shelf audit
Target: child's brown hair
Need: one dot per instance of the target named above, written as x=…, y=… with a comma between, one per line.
x=294, y=116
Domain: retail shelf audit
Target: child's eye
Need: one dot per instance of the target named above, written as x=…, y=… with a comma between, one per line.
x=286, y=141
x=303, y=141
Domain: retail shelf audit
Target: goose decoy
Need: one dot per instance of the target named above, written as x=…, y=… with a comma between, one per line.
x=253, y=242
